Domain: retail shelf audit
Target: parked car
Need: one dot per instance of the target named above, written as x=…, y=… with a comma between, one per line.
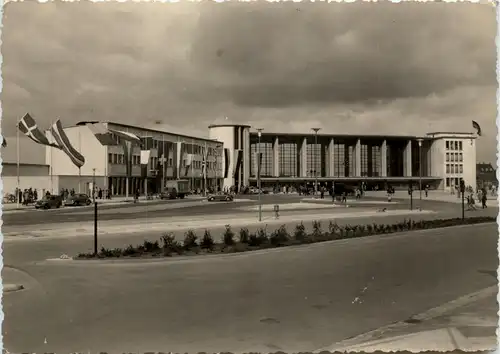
x=77, y=200
x=49, y=202
x=220, y=198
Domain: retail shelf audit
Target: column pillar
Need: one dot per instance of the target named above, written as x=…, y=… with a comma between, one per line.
x=357, y=152
x=303, y=158
x=331, y=158
x=276, y=157
x=407, y=160
x=246, y=156
x=383, y=157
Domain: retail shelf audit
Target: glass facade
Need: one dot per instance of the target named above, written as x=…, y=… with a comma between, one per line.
x=340, y=160
x=288, y=153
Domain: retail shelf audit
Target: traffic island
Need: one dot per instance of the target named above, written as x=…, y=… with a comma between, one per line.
x=229, y=242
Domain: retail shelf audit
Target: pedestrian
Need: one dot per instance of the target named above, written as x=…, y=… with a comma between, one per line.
x=322, y=193
x=483, y=200
x=426, y=191
x=99, y=194
x=344, y=197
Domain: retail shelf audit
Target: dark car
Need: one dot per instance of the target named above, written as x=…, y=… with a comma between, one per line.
x=49, y=202
x=220, y=198
x=77, y=200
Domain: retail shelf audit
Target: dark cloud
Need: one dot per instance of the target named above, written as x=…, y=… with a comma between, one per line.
x=358, y=67
x=278, y=56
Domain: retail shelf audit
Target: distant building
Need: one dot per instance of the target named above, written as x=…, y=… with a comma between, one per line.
x=486, y=175
x=439, y=160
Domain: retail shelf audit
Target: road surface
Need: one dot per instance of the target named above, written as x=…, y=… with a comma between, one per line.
x=292, y=299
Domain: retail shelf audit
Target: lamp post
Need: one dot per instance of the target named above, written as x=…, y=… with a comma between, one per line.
x=316, y=130
x=259, y=134
x=93, y=185
x=420, y=168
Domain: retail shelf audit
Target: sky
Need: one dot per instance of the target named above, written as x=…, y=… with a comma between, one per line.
x=357, y=68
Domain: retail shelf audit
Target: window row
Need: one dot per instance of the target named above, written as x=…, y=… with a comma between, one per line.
x=454, y=145
x=119, y=159
x=454, y=157
x=454, y=168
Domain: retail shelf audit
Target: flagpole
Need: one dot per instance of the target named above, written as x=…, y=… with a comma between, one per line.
x=18, y=153
x=163, y=164
x=51, y=162
x=205, y=158
x=191, y=167
x=79, y=168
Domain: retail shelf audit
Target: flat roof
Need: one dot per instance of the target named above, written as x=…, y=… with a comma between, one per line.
x=365, y=136
x=149, y=130
x=229, y=125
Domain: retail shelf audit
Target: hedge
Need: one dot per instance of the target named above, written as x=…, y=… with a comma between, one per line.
x=262, y=239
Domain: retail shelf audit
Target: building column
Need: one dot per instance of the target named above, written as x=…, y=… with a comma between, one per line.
x=383, y=157
x=276, y=157
x=303, y=158
x=246, y=157
x=357, y=153
x=331, y=158
x=407, y=160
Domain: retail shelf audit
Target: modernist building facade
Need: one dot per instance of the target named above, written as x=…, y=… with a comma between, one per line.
x=438, y=159
x=106, y=164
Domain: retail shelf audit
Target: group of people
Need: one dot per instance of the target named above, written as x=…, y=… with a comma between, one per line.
x=481, y=194
x=26, y=196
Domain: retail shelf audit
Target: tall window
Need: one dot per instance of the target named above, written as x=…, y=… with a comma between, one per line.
x=314, y=160
x=338, y=159
x=376, y=161
x=288, y=160
x=266, y=149
x=364, y=160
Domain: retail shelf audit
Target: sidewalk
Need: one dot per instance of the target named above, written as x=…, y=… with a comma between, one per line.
x=441, y=196
x=172, y=224
x=468, y=324
x=114, y=201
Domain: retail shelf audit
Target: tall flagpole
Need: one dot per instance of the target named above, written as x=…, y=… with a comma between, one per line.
x=192, y=165
x=163, y=165
x=205, y=160
x=51, y=162
x=79, y=168
x=18, y=153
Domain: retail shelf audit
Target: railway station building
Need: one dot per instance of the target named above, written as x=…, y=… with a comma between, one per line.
x=439, y=159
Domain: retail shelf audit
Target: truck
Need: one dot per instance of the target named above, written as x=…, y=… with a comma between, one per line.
x=176, y=189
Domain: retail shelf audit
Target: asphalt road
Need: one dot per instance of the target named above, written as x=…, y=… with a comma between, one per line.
x=178, y=208
x=292, y=299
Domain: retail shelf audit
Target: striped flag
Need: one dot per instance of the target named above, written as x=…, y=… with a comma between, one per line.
x=476, y=126
x=28, y=127
x=145, y=157
x=102, y=134
x=62, y=140
x=204, y=162
x=189, y=161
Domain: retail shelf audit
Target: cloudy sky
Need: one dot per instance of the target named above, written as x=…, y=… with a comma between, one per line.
x=349, y=68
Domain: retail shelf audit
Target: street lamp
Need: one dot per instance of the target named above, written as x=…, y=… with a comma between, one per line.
x=316, y=130
x=93, y=185
x=420, y=168
x=259, y=134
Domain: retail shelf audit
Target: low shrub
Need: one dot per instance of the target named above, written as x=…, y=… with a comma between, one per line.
x=244, y=235
x=190, y=240
x=170, y=244
x=207, y=242
x=280, y=237
x=300, y=232
x=262, y=235
x=228, y=236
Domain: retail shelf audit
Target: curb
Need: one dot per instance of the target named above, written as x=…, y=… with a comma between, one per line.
x=8, y=288
x=206, y=257
x=365, y=339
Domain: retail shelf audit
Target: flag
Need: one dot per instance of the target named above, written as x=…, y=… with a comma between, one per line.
x=134, y=139
x=476, y=126
x=226, y=163
x=28, y=127
x=127, y=154
x=4, y=142
x=204, y=163
x=62, y=140
x=145, y=156
x=102, y=134
x=189, y=160
x=239, y=160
